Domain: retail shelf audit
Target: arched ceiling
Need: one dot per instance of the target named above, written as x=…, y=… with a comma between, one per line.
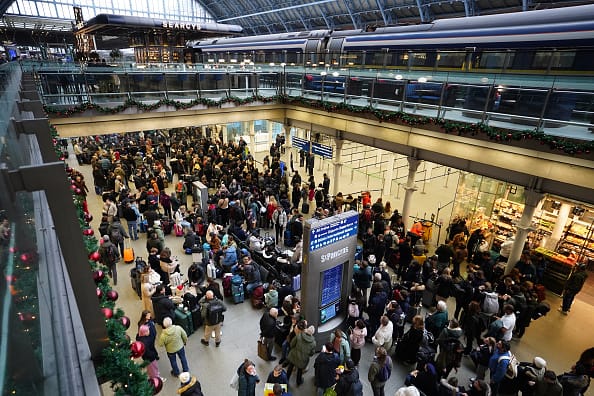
x=277, y=16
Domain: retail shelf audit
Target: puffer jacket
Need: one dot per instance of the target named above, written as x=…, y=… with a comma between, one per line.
x=173, y=338
x=302, y=348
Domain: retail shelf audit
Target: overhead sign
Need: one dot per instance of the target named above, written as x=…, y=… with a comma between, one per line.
x=316, y=148
x=328, y=232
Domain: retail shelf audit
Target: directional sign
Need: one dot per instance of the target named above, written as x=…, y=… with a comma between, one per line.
x=318, y=149
x=337, y=229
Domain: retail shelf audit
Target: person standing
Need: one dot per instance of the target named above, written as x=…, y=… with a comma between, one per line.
x=348, y=383
x=379, y=371
x=147, y=289
x=131, y=217
x=303, y=346
x=325, y=368
x=326, y=185
x=109, y=256
x=267, y=328
x=174, y=339
x=279, y=218
x=248, y=378
x=277, y=376
x=572, y=287
x=211, y=310
x=498, y=365
x=147, y=335
x=357, y=338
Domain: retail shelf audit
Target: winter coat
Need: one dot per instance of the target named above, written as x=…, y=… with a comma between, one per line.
x=173, y=338
x=192, y=388
x=344, y=351
x=357, y=337
x=374, y=369
x=345, y=383
x=302, y=348
x=247, y=383
x=325, y=369
x=271, y=299
x=383, y=336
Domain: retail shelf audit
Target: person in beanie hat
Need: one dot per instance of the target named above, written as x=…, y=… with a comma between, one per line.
x=189, y=385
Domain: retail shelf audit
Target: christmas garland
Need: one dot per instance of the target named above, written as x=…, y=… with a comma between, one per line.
x=129, y=103
x=567, y=146
x=118, y=365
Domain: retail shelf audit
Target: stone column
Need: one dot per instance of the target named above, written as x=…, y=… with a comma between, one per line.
x=523, y=227
x=557, y=232
x=224, y=132
x=252, y=135
x=409, y=189
x=287, y=131
x=389, y=175
x=337, y=165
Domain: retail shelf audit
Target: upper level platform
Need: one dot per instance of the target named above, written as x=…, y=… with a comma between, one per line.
x=527, y=131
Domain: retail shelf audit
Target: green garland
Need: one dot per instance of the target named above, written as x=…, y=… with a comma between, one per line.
x=117, y=366
x=154, y=106
x=566, y=146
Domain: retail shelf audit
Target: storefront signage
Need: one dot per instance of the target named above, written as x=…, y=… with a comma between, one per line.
x=181, y=25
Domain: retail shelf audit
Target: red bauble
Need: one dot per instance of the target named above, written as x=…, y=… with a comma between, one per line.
x=98, y=276
x=125, y=321
x=69, y=170
x=136, y=349
x=156, y=383
x=99, y=293
x=95, y=256
x=26, y=317
x=72, y=187
x=88, y=218
x=107, y=312
x=89, y=232
x=78, y=191
x=112, y=295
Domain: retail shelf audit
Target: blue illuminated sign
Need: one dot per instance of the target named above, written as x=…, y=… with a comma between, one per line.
x=316, y=148
x=329, y=233
x=331, y=285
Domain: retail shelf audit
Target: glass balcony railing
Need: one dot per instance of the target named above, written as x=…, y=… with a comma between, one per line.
x=556, y=105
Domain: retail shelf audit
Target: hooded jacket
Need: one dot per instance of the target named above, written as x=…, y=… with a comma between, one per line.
x=173, y=338
x=302, y=347
x=192, y=388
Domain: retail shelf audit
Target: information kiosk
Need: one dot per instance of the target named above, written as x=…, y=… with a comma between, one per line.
x=328, y=256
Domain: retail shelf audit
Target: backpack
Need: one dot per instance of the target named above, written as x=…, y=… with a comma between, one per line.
x=384, y=372
x=112, y=254
x=319, y=195
x=214, y=312
x=115, y=235
x=511, y=371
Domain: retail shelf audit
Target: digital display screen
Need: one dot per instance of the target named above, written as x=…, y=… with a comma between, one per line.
x=337, y=230
x=329, y=312
x=331, y=285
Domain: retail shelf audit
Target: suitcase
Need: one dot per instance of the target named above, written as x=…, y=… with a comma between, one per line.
x=196, y=317
x=428, y=298
x=128, y=255
x=227, y=286
x=297, y=282
x=258, y=297
x=135, y=280
x=179, y=231
x=142, y=225
x=288, y=239
x=184, y=319
x=237, y=293
x=305, y=208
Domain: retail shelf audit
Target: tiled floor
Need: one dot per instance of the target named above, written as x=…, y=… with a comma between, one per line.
x=557, y=338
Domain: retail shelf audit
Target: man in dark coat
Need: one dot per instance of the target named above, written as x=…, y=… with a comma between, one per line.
x=162, y=305
x=267, y=329
x=572, y=287
x=325, y=367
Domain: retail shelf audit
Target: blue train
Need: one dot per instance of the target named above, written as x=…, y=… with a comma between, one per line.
x=553, y=41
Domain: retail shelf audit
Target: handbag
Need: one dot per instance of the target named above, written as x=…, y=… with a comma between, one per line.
x=234, y=383
x=330, y=391
x=262, y=350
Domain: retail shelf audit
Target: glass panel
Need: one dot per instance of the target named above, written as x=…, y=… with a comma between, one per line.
x=451, y=60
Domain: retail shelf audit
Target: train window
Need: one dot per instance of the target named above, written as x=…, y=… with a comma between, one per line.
x=378, y=59
x=418, y=58
x=562, y=60
x=492, y=60
x=450, y=59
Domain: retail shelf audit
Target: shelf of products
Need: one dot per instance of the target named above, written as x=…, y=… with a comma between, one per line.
x=578, y=240
x=505, y=216
x=558, y=269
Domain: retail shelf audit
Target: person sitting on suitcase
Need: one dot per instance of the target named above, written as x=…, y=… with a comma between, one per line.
x=256, y=243
x=211, y=310
x=251, y=274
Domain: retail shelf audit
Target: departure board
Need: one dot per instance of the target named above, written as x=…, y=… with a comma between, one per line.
x=331, y=285
x=327, y=233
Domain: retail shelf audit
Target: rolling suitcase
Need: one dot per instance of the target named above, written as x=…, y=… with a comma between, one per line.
x=237, y=289
x=305, y=208
x=135, y=280
x=227, y=286
x=128, y=253
x=196, y=317
x=297, y=282
x=288, y=239
x=184, y=319
x=258, y=297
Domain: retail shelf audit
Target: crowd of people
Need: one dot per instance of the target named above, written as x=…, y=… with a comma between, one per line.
x=391, y=281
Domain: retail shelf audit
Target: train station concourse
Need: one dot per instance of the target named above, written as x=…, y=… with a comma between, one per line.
x=384, y=135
